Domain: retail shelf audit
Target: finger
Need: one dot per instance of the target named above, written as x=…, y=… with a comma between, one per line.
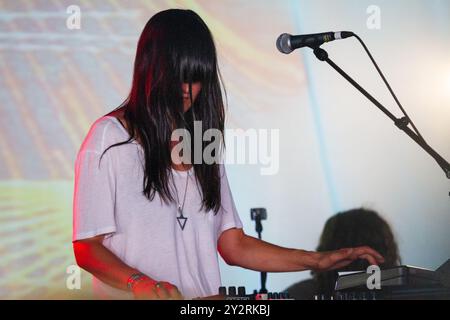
x=152, y=293
x=162, y=291
x=361, y=254
x=172, y=291
x=369, y=258
x=175, y=293
x=147, y=293
x=372, y=252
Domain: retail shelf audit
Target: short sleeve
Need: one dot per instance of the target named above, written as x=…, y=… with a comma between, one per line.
x=229, y=217
x=94, y=195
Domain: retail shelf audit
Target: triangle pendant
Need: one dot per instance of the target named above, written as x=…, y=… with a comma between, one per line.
x=182, y=221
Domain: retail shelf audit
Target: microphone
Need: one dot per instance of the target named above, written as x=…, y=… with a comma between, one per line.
x=287, y=43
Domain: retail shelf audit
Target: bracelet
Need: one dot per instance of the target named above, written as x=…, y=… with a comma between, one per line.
x=134, y=278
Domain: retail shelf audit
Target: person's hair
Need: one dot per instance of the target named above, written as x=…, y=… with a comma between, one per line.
x=175, y=47
x=353, y=228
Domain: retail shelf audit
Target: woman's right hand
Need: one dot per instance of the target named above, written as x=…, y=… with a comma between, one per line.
x=153, y=290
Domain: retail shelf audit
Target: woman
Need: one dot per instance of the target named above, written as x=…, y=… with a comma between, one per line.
x=148, y=223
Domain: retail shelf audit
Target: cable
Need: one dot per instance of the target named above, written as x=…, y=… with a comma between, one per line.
x=389, y=87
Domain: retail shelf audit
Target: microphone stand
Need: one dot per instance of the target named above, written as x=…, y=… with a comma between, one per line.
x=401, y=123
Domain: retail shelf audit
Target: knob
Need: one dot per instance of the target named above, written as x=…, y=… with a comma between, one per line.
x=222, y=291
x=232, y=291
x=241, y=291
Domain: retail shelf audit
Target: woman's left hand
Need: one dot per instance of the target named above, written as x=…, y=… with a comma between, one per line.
x=326, y=261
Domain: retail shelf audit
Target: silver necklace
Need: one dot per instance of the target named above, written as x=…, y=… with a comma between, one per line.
x=180, y=206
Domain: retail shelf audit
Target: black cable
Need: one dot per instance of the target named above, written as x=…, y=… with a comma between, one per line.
x=389, y=87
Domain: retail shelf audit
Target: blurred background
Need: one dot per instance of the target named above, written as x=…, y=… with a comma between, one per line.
x=337, y=151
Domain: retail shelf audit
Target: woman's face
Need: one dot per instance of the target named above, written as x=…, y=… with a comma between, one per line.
x=196, y=87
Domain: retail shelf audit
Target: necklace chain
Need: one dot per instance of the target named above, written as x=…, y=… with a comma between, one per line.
x=181, y=206
x=182, y=219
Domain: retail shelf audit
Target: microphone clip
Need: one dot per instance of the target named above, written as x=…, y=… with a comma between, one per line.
x=320, y=53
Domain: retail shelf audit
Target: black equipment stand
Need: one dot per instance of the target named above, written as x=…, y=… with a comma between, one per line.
x=259, y=214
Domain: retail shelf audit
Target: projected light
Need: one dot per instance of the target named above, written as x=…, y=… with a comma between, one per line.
x=55, y=81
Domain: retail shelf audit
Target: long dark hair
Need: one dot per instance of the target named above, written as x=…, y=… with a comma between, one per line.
x=353, y=228
x=175, y=47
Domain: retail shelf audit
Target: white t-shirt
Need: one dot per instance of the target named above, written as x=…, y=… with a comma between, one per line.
x=109, y=199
